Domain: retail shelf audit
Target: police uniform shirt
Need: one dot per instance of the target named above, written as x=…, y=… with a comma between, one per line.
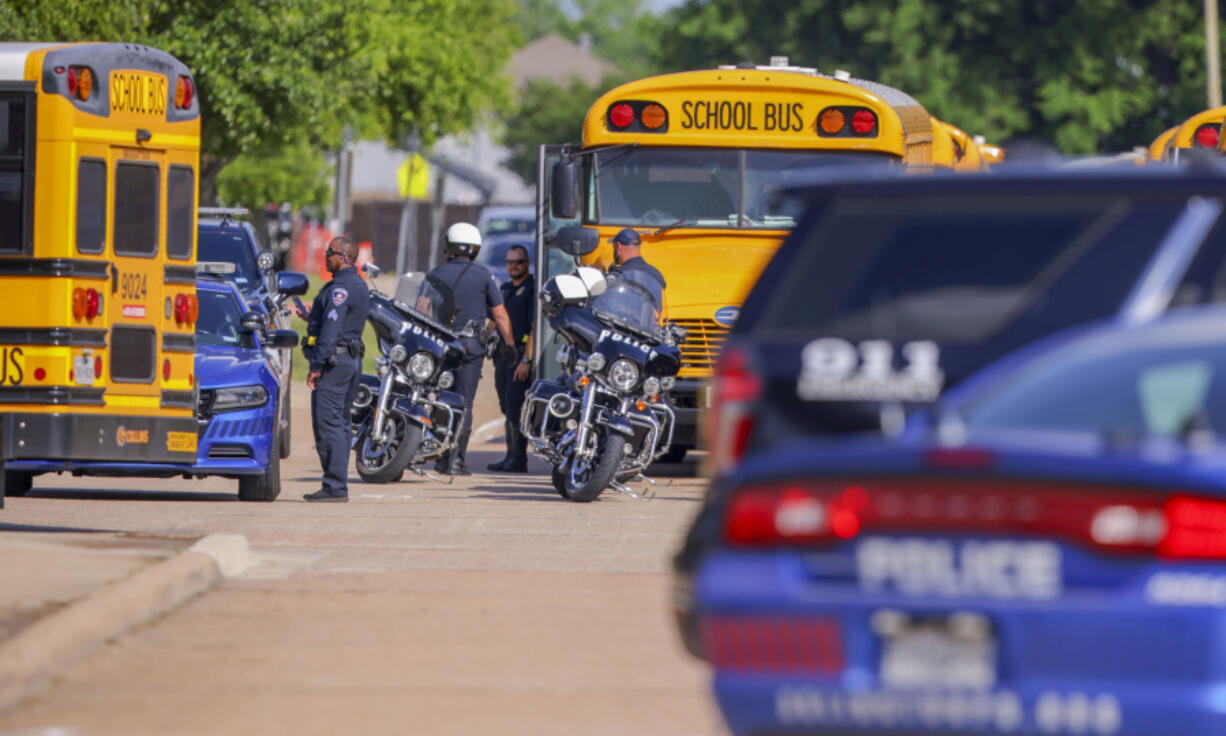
x=644, y=268
x=521, y=307
x=476, y=290
x=337, y=316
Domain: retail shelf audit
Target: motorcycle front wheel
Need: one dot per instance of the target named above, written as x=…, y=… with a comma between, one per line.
x=385, y=462
x=584, y=481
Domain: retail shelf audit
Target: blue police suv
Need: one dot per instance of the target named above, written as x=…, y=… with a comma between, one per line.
x=224, y=237
x=1045, y=552
x=238, y=406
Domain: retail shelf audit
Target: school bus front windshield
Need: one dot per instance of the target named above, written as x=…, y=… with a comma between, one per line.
x=666, y=187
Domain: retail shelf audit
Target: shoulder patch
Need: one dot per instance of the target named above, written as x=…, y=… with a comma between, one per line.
x=339, y=296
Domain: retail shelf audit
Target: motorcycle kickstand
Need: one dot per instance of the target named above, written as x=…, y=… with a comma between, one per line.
x=621, y=488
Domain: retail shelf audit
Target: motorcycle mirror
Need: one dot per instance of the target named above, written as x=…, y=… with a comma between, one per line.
x=370, y=270
x=292, y=283
x=593, y=280
x=577, y=241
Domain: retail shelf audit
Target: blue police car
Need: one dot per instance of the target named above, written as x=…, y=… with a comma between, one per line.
x=1043, y=553
x=223, y=236
x=893, y=289
x=238, y=408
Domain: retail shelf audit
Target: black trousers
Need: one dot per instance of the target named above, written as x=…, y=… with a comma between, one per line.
x=511, y=395
x=334, y=393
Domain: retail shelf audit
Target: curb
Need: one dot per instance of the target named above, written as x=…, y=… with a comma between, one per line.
x=488, y=432
x=29, y=659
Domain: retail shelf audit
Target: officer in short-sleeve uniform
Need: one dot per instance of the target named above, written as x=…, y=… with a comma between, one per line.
x=512, y=377
x=334, y=349
x=476, y=293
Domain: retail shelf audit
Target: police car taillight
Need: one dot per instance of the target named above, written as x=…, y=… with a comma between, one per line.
x=1175, y=527
x=730, y=420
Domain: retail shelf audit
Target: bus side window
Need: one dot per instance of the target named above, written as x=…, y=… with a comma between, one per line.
x=91, y=205
x=13, y=152
x=180, y=206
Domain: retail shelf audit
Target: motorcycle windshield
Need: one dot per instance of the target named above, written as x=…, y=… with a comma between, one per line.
x=428, y=296
x=629, y=302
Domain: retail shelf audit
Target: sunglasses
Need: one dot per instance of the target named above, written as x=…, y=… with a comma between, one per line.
x=516, y=261
x=329, y=253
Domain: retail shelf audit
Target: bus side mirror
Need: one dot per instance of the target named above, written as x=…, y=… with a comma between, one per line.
x=577, y=241
x=562, y=199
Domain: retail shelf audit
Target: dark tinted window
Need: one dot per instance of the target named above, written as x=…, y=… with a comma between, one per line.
x=1138, y=391
x=136, y=209
x=1205, y=280
x=220, y=321
x=133, y=354
x=13, y=158
x=91, y=205
x=961, y=269
x=180, y=208
x=229, y=244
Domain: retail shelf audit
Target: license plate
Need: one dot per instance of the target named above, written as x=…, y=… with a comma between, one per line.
x=957, y=651
x=181, y=441
x=83, y=369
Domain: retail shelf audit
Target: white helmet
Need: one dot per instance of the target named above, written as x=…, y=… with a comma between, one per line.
x=462, y=239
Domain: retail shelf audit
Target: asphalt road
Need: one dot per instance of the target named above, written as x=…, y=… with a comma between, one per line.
x=486, y=606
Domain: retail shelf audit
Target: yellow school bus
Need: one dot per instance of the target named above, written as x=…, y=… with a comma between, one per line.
x=99, y=159
x=954, y=149
x=690, y=160
x=1157, y=150
x=1201, y=132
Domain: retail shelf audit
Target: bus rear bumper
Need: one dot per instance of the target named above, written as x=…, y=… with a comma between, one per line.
x=106, y=439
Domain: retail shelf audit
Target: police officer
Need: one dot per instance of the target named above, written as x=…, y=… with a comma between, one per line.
x=334, y=349
x=511, y=377
x=476, y=294
x=627, y=257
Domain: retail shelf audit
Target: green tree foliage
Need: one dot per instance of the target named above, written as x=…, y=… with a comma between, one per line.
x=294, y=172
x=548, y=112
x=275, y=75
x=1088, y=76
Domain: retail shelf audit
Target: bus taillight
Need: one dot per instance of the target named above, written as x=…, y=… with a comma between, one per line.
x=93, y=303
x=832, y=121
x=78, y=303
x=1207, y=136
x=166, y=369
x=653, y=116
x=621, y=115
x=863, y=122
x=193, y=308
x=80, y=82
x=180, y=308
x=183, y=92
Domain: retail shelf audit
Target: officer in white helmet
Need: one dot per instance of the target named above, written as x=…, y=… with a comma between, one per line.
x=476, y=295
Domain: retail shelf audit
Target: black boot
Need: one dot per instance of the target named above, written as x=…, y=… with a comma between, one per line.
x=443, y=463
x=456, y=464
x=502, y=464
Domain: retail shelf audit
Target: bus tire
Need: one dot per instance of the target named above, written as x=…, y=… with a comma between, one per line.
x=283, y=442
x=264, y=487
x=17, y=483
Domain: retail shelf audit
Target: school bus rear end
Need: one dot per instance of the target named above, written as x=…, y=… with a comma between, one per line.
x=97, y=339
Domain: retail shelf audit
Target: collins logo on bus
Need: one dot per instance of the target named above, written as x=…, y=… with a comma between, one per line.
x=726, y=316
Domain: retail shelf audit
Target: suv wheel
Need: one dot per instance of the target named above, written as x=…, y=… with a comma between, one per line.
x=283, y=441
x=264, y=487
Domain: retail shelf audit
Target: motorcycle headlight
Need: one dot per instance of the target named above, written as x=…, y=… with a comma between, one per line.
x=667, y=383
x=398, y=354
x=239, y=397
x=595, y=361
x=623, y=374
x=421, y=366
x=651, y=386
x=447, y=380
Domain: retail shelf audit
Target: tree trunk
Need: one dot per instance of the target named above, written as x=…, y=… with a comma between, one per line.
x=209, y=169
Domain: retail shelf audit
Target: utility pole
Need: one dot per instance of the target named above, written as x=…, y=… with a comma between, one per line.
x=1213, y=54
x=344, y=162
x=408, y=210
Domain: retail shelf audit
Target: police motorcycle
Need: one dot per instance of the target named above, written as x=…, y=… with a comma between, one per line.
x=405, y=415
x=604, y=420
